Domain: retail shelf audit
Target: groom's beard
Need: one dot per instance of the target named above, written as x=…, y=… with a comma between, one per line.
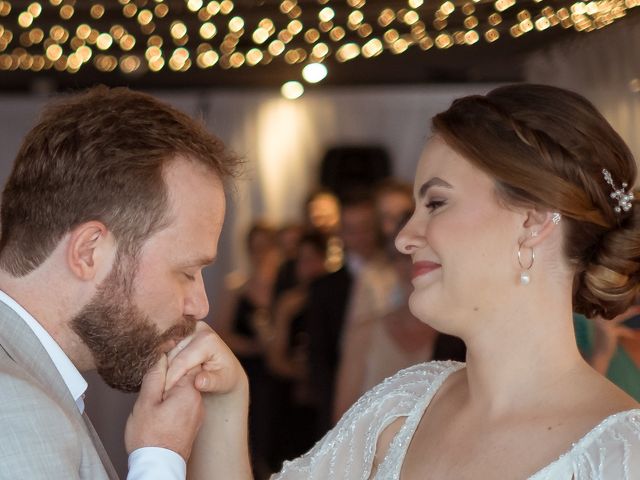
x=122, y=339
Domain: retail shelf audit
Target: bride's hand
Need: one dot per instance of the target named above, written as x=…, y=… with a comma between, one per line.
x=220, y=372
x=221, y=447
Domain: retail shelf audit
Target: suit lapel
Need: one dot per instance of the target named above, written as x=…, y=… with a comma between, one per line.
x=102, y=453
x=22, y=345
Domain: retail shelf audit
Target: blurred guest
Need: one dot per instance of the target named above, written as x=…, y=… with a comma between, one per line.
x=322, y=212
x=381, y=336
x=242, y=301
x=394, y=203
x=289, y=242
x=612, y=348
x=328, y=299
x=377, y=293
x=286, y=344
x=289, y=237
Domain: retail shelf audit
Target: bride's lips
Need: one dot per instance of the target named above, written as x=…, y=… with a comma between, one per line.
x=422, y=268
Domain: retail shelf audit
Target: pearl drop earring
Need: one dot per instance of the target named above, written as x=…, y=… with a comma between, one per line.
x=525, y=275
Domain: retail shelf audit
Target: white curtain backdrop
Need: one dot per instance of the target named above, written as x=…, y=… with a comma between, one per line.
x=603, y=66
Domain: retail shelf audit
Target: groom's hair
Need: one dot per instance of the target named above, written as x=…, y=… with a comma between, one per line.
x=98, y=155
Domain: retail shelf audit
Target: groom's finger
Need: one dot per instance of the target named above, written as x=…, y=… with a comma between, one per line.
x=202, y=348
x=207, y=350
x=214, y=381
x=153, y=382
x=179, y=347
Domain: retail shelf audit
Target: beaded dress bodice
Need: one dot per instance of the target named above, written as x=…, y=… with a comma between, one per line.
x=610, y=451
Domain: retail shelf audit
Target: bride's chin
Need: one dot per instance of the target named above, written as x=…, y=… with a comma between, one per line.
x=429, y=313
x=422, y=302
x=419, y=309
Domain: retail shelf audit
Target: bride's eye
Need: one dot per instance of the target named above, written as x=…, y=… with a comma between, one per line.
x=433, y=205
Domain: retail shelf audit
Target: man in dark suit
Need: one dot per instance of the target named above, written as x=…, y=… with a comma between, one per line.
x=329, y=300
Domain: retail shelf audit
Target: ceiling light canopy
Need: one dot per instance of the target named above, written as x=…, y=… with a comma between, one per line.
x=136, y=36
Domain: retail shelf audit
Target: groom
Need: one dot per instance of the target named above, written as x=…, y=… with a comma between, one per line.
x=113, y=208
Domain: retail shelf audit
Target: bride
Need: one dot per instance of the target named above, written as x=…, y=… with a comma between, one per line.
x=524, y=213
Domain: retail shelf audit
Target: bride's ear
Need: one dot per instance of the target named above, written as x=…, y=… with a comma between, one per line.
x=538, y=225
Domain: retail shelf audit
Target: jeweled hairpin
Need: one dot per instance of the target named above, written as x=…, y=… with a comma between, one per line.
x=623, y=197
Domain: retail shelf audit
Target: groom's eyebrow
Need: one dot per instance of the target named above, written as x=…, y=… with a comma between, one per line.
x=434, y=182
x=201, y=261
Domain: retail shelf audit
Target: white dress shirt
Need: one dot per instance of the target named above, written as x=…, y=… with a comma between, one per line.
x=147, y=463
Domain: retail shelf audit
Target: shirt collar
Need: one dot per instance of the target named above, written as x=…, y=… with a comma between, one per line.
x=74, y=381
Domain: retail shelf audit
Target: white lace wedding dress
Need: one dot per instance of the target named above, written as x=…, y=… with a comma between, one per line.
x=611, y=451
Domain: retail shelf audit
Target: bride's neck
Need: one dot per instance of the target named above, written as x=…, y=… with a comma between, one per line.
x=512, y=362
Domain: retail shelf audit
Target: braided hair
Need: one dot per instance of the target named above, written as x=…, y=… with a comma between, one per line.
x=547, y=147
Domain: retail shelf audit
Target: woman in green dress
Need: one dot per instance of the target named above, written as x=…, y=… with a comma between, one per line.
x=598, y=341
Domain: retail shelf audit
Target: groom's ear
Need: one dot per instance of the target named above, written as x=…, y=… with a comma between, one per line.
x=90, y=250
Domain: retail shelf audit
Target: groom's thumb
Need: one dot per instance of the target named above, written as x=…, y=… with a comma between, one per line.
x=153, y=382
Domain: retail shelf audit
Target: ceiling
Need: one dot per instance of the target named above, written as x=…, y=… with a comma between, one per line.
x=473, y=60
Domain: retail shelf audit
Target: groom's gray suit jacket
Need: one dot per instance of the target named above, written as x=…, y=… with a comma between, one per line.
x=42, y=433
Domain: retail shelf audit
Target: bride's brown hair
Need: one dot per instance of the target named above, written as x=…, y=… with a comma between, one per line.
x=547, y=146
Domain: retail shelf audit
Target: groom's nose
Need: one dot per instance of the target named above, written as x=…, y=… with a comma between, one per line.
x=196, y=303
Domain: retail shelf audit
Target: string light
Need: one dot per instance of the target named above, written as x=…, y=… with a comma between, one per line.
x=260, y=35
x=326, y=14
x=35, y=9
x=347, y=52
x=97, y=11
x=320, y=50
x=208, y=30
x=372, y=48
x=66, y=12
x=104, y=41
x=181, y=34
x=25, y=19
x=254, y=56
x=276, y=48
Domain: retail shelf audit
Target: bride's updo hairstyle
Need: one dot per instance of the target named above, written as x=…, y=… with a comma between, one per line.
x=547, y=147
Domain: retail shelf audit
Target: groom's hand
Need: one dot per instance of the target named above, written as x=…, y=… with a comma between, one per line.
x=168, y=419
x=219, y=370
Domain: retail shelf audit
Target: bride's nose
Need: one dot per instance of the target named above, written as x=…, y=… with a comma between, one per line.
x=409, y=238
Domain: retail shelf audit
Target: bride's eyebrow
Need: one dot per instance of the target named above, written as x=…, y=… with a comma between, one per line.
x=434, y=182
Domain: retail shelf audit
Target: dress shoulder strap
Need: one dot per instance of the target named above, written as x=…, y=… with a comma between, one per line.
x=347, y=451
